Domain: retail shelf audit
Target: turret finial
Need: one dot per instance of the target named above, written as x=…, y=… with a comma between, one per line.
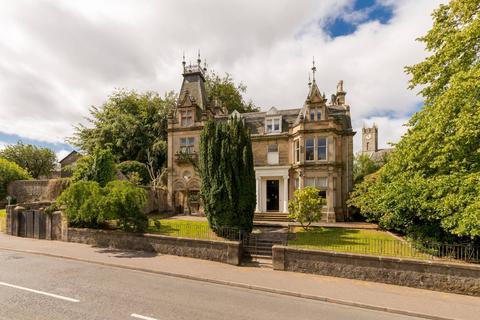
x=205, y=65
x=199, y=60
x=309, y=80
x=183, y=60
x=314, y=69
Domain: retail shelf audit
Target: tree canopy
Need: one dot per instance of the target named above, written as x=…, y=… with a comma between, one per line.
x=228, y=93
x=36, y=160
x=10, y=171
x=430, y=185
x=227, y=174
x=130, y=124
x=363, y=165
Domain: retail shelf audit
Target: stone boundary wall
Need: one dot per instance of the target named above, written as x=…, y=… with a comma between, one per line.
x=222, y=251
x=24, y=191
x=432, y=275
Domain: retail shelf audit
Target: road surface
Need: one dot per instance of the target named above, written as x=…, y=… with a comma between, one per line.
x=39, y=287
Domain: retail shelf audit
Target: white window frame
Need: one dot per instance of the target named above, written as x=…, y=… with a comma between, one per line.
x=306, y=149
x=187, y=145
x=296, y=150
x=272, y=154
x=317, y=148
x=186, y=118
x=272, y=122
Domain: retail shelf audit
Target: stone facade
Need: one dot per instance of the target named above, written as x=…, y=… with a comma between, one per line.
x=292, y=148
x=370, y=145
x=440, y=276
x=222, y=251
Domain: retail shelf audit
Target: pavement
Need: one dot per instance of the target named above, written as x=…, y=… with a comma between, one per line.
x=342, y=292
x=40, y=287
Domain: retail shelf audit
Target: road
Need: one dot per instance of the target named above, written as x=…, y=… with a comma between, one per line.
x=39, y=287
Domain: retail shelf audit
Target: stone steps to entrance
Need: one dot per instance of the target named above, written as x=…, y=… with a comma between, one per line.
x=271, y=216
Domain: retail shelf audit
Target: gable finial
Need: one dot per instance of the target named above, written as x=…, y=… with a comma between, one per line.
x=199, y=60
x=309, y=80
x=183, y=61
x=314, y=69
x=205, y=65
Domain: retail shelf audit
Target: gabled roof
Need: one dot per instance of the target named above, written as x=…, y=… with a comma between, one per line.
x=70, y=155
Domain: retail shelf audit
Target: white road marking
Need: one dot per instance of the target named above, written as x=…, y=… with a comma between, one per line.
x=142, y=317
x=39, y=292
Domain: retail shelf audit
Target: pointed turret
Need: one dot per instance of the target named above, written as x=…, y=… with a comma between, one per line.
x=193, y=91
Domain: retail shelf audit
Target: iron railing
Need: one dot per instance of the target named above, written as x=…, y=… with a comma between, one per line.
x=383, y=247
x=185, y=229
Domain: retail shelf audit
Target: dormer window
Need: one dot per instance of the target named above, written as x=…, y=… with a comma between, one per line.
x=186, y=118
x=273, y=125
x=315, y=114
x=312, y=114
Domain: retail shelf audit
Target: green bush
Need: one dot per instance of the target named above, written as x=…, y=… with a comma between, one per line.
x=9, y=172
x=85, y=205
x=130, y=167
x=306, y=206
x=88, y=205
x=125, y=202
x=99, y=167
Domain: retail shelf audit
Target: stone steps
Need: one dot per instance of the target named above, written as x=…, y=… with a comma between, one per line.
x=272, y=216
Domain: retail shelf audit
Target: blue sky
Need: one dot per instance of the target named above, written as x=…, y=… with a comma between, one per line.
x=360, y=11
x=58, y=58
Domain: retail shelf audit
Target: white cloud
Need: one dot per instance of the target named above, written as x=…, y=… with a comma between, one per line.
x=3, y=145
x=62, y=154
x=59, y=57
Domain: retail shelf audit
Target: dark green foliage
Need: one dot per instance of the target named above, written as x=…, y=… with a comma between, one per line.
x=130, y=124
x=88, y=205
x=430, y=185
x=227, y=93
x=10, y=171
x=228, y=177
x=84, y=205
x=99, y=166
x=125, y=202
x=129, y=167
x=37, y=161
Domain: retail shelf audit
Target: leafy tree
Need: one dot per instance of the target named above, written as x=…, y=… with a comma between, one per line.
x=130, y=167
x=129, y=124
x=125, y=202
x=363, y=165
x=99, y=166
x=306, y=206
x=228, y=177
x=10, y=171
x=84, y=205
x=225, y=91
x=430, y=186
x=37, y=161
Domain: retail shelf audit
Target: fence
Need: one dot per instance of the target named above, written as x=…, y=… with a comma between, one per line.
x=393, y=248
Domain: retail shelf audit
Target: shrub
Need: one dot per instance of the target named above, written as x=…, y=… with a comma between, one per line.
x=9, y=172
x=125, y=202
x=306, y=206
x=129, y=168
x=85, y=204
x=88, y=205
x=55, y=188
x=99, y=167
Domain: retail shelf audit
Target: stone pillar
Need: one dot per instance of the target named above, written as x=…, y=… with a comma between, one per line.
x=259, y=191
x=17, y=212
x=285, y=194
x=330, y=204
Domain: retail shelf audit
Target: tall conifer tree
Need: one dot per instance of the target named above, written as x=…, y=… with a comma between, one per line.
x=228, y=177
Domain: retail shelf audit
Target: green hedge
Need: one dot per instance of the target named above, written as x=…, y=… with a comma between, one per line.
x=10, y=171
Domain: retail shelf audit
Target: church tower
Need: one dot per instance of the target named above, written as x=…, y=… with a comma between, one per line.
x=370, y=139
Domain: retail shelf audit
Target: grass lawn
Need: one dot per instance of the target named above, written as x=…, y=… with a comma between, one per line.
x=3, y=214
x=355, y=241
x=183, y=228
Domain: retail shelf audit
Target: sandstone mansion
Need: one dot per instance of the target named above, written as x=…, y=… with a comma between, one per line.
x=292, y=148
